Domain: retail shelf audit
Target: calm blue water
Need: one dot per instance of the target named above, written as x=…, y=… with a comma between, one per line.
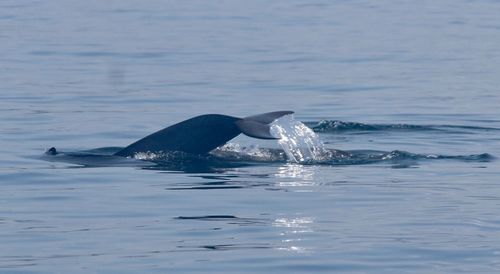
x=416, y=79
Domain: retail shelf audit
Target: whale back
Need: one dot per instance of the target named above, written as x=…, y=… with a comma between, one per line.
x=197, y=135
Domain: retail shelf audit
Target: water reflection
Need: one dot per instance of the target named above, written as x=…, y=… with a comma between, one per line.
x=293, y=230
x=296, y=175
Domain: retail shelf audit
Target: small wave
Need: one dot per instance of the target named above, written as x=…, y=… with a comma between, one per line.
x=336, y=125
x=230, y=219
x=401, y=157
x=325, y=126
x=483, y=157
x=207, y=217
x=226, y=247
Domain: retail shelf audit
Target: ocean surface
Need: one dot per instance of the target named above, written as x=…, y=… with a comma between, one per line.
x=411, y=89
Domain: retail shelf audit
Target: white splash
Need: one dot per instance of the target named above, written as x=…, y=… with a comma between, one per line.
x=146, y=156
x=233, y=151
x=252, y=151
x=299, y=142
x=159, y=156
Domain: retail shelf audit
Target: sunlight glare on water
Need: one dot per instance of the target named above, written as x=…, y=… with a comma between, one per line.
x=299, y=142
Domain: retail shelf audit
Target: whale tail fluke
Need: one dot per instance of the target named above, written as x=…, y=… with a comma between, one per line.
x=257, y=126
x=269, y=117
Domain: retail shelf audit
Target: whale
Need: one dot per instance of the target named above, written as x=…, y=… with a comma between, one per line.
x=197, y=145
x=201, y=134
